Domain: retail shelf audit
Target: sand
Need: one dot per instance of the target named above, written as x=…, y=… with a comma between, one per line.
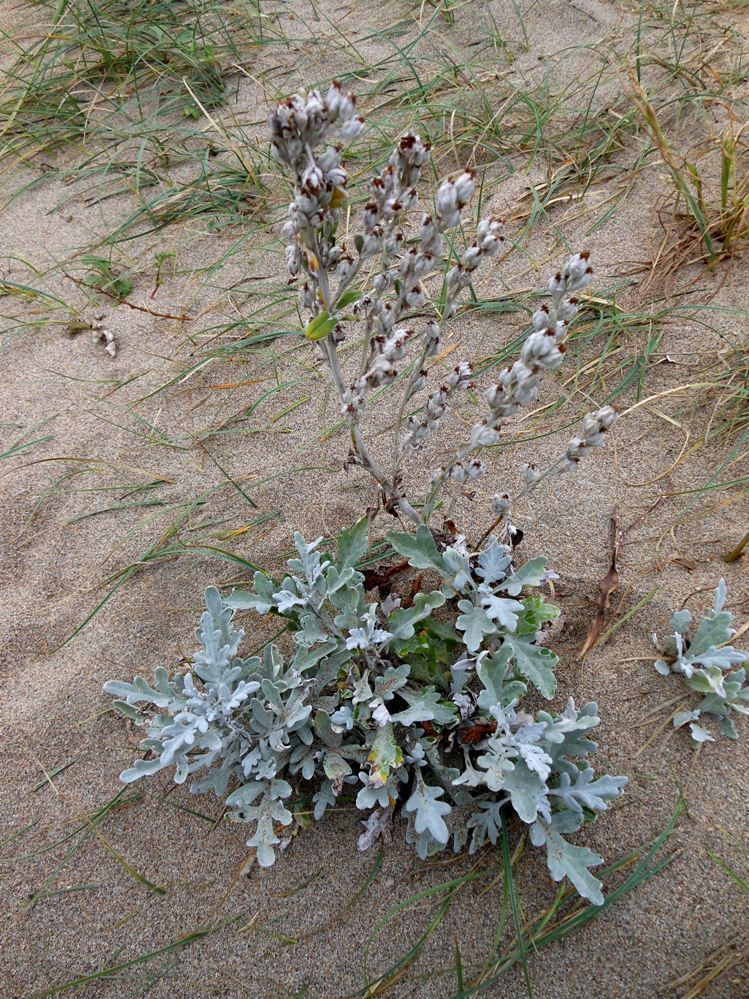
x=293, y=930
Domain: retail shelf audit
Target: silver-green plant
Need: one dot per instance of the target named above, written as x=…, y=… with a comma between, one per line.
x=415, y=706
x=707, y=664
x=375, y=283
x=413, y=702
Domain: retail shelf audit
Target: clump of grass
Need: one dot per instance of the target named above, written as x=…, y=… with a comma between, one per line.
x=94, y=57
x=716, y=214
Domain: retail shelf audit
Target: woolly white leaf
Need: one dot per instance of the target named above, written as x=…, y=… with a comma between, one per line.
x=429, y=811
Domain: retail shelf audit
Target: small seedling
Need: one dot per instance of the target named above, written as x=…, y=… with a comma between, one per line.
x=102, y=276
x=161, y=258
x=707, y=663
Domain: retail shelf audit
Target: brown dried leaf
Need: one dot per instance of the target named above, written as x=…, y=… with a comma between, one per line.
x=607, y=588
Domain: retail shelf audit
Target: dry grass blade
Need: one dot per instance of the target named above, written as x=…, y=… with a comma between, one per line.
x=718, y=962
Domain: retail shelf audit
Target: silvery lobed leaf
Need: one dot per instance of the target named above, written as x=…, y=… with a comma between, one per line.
x=530, y=573
x=401, y=622
x=323, y=799
x=683, y=717
x=269, y=811
x=503, y=610
x=721, y=592
x=493, y=562
x=287, y=599
x=362, y=690
x=586, y=792
x=428, y=810
x=485, y=824
x=491, y=669
x=140, y=691
x=260, y=599
x=536, y=663
x=420, y=550
x=496, y=763
x=353, y=543
x=391, y=680
x=458, y=568
x=700, y=734
x=728, y=729
x=527, y=791
x=335, y=765
x=566, y=860
x=383, y=795
x=680, y=621
x=708, y=680
x=424, y=705
x=385, y=756
x=475, y=623
x=141, y=768
x=309, y=561
x=714, y=629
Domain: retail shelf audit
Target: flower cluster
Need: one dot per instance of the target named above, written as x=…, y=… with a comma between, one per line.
x=298, y=127
x=594, y=427
x=388, y=304
x=394, y=295
x=543, y=350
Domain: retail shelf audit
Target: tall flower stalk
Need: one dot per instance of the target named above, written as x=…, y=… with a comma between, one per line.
x=375, y=281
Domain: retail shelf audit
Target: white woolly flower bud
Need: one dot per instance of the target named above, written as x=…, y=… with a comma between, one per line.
x=430, y=239
x=489, y=235
x=607, y=417
x=340, y=103
x=352, y=129
x=567, y=310
x=382, y=372
x=531, y=475
x=452, y=278
x=483, y=435
x=382, y=282
x=415, y=297
x=594, y=427
x=372, y=243
x=465, y=185
x=460, y=375
x=431, y=339
x=370, y=216
x=472, y=257
x=394, y=348
x=293, y=259
x=344, y=269
x=312, y=181
x=500, y=504
x=409, y=198
x=337, y=177
x=447, y=205
x=577, y=271
x=541, y=319
x=393, y=243
x=387, y=317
